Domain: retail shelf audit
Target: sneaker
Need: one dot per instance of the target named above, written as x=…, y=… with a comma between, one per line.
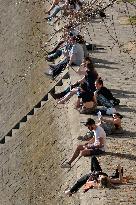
x=48, y=18
x=66, y=165
x=52, y=66
x=49, y=59
x=49, y=75
x=50, y=72
x=68, y=193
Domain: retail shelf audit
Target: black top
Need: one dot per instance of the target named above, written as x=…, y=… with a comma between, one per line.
x=86, y=96
x=106, y=93
x=90, y=78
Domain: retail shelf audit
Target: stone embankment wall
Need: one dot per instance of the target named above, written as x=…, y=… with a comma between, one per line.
x=30, y=159
x=22, y=83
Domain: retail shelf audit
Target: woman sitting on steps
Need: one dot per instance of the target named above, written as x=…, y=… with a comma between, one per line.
x=86, y=102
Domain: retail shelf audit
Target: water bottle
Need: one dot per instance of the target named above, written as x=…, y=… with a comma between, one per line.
x=99, y=115
x=78, y=91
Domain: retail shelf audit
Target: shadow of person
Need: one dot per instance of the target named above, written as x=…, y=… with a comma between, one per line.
x=116, y=91
x=125, y=108
x=122, y=155
x=123, y=134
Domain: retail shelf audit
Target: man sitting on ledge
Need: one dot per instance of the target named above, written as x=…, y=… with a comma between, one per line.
x=96, y=146
x=74, y=56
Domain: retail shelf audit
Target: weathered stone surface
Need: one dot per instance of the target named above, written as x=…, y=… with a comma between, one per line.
x=30, y=161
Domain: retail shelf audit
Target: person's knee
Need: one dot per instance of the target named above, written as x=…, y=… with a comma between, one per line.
x=73, y=91
x=79, y=147
x=85, y=152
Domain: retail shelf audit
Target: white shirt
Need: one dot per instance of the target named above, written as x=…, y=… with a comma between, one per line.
x=100, y=133
x=78, y=52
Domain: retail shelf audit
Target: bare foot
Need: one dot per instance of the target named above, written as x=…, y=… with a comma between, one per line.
x=68, y=193
x=61, y=102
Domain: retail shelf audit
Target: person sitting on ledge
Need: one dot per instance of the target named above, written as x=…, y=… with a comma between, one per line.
x=86, y=102
x=95, y=146
x=112, y=126
x=104, y=96
x=55, y=8
x=73, y=57
x=63, y=43
x=89, y=78
x=96, y=178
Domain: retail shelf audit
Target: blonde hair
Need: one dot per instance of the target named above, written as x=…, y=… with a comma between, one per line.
x=105, y=182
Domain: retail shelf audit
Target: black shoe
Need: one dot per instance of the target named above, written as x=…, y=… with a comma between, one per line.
x=116, y=102
x=116, y=174
x=54, y=95
x=49, y=59
x=49, y=75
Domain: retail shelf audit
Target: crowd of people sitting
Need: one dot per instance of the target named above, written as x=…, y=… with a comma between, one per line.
x=92, y=96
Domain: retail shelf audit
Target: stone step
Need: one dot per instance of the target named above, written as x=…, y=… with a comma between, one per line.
x=29, y=117
x=62, y=79
x=66, y=76
x=43, y=103
x=7, y=138
x=14, y=131
x=60, y=83
x=45, y=99
x=2, y=141
x=30, y=114
x=24, y=119
x=22, y=124
x=36, y=110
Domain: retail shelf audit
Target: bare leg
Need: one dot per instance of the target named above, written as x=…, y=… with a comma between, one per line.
x=76, y=153
x=68, y=96
x=86, y=152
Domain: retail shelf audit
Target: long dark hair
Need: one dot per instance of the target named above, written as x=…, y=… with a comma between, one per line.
x=72, y=3
x=99, y=81
x=90, y=66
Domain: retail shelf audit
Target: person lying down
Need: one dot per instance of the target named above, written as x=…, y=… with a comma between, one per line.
x=96, y=178
x=112, y=126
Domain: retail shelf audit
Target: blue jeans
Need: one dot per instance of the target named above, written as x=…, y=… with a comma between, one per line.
x=54, y=13
x=55, y=55
x=104, y=101
x=59, y=67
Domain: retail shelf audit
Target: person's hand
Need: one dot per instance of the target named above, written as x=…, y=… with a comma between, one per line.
x=68, y=65
x=101, y=118
x=85, y=145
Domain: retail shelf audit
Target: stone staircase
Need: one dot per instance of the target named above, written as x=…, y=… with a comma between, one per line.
x=61, y=80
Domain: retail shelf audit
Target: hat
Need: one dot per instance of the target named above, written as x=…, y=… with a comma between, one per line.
x=89, y=121
x=119, y=115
